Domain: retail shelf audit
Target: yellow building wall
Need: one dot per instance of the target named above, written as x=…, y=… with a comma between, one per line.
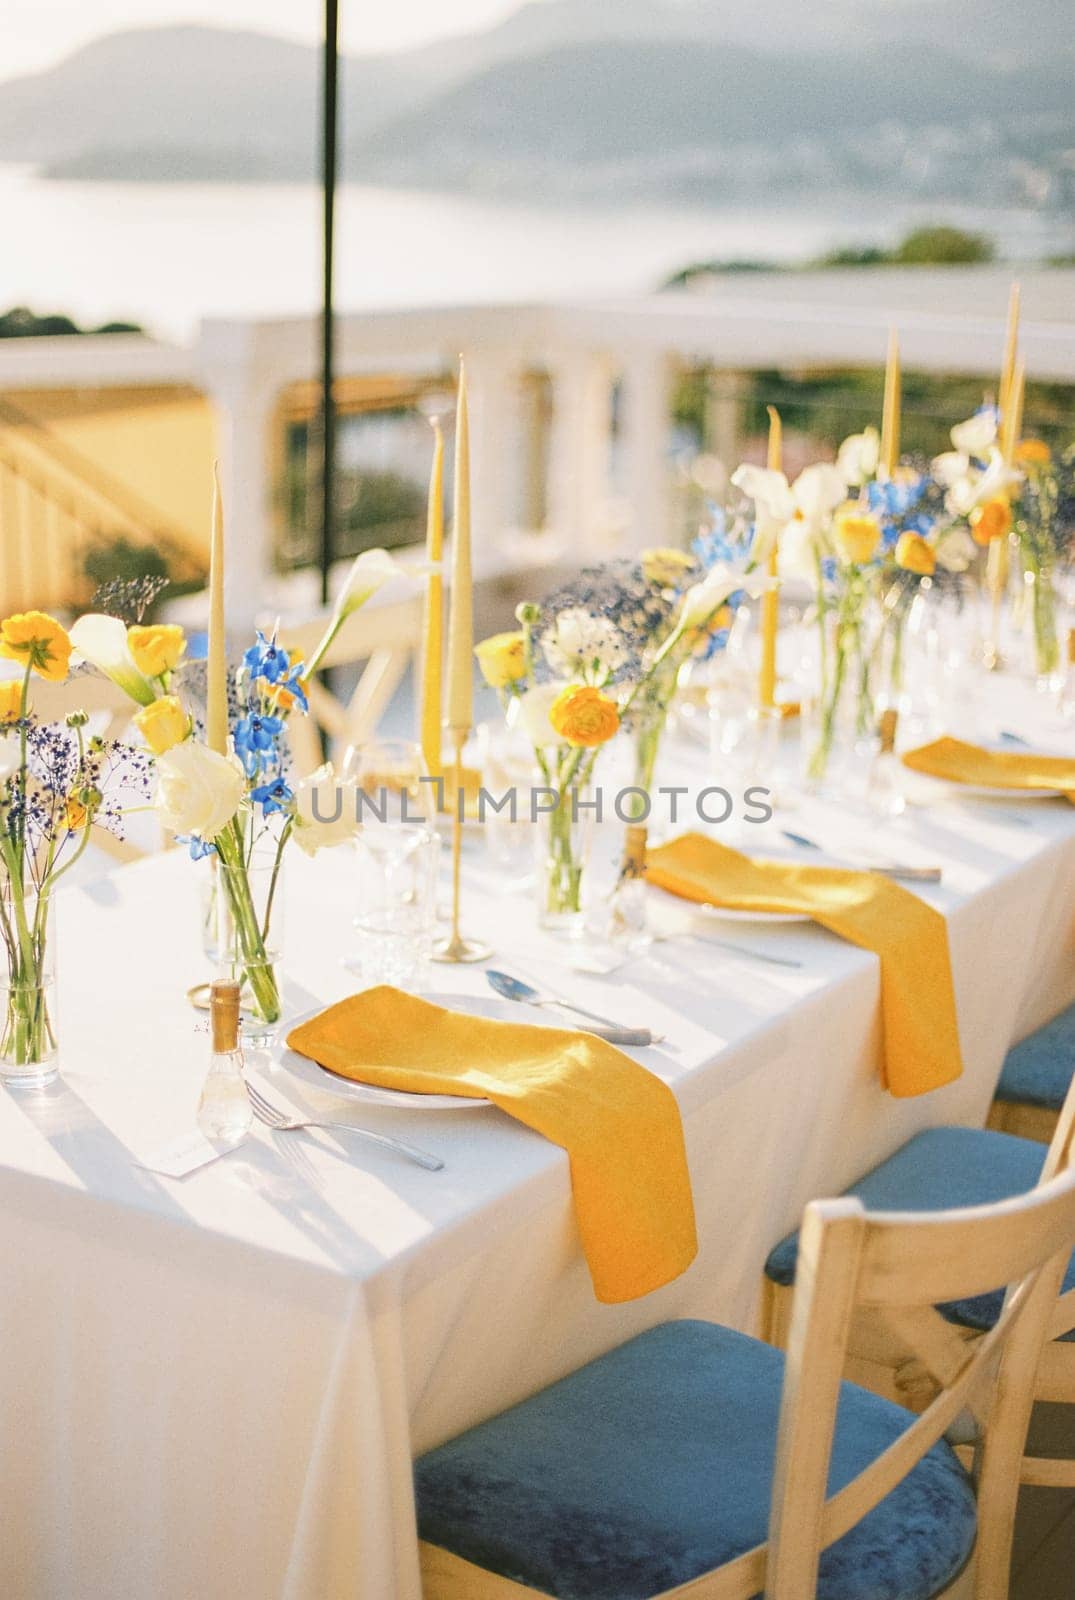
x=158, y=443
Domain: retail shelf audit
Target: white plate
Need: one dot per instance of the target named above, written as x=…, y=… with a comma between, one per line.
x=317, y=1077
x=981, y=791
x=727, y=914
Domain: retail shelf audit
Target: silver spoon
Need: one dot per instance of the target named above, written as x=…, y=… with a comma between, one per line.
x=510, y=988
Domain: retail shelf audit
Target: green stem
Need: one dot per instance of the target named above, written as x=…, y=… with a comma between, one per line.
x=257, y=969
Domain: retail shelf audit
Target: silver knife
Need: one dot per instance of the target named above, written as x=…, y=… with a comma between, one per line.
x=887, y=869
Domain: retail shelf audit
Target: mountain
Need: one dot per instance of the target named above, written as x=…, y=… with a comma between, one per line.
x=589, y=98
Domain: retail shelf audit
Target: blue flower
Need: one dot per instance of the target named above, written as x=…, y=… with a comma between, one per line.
x=273, y=796
x=255, y=741
x=266, y=659
x=292, y=682
x=199, y=848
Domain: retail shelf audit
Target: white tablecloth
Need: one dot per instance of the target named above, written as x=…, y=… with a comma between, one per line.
x=214, y=1387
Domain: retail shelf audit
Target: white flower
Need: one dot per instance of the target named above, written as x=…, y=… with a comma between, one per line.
x=722, y=579
x=975, y=488
x=326, y=810
x=977, y=435
x=530, y=714
x=198, y=791
x=955, y=549
x=369, y=572
x=9, y=758
x=951, y=467
x=102, y=641
x=580, y=645
x=857, y=457
x=797, y=515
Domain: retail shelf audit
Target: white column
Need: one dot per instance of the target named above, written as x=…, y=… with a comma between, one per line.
x=243, y=396
x=579, y=497
x=647, y=468
x=493, y=396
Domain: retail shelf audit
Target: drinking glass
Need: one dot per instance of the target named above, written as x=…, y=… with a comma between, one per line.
x=395, y=783
x=397, y=901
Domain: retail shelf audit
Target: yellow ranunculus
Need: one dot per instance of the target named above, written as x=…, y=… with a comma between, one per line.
x=665, y=566
x=991, y=521
x=35, y=637
x=584, y=716
x=913, y=554
x=1033, y=453
x=75, y=814
x=10, y=700
x=157, y=649
x=857, y=534
x=163, y=724
x=502, y=659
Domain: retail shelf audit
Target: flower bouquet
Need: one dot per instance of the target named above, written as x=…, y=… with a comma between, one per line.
x=240, y=808
x=56, y=782
x=577, y=670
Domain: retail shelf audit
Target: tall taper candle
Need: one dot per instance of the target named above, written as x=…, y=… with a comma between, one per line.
x=890, y=417
x=1012, y=419
x=1011, y=346
x=433, y=620
x=770, y=601
x=216, y=683
x=461, y=615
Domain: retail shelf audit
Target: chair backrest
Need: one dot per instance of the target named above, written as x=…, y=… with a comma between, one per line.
x=383, y=635
x=898, y=1262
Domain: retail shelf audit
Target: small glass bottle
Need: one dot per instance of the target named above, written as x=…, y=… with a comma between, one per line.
x=224, y=1113
x=884, y=788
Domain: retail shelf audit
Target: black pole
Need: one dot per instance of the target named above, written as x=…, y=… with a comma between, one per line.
x=328, y=407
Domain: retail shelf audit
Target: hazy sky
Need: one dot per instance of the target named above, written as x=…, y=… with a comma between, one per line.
x=36, y=33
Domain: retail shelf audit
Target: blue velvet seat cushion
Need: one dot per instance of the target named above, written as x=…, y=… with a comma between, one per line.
x=654, y=1464
x=939, y=1170
x=1038, y=1071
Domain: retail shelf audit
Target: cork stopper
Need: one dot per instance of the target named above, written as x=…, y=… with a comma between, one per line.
x=634, y=850
x=1071, y=646
x=887, y=729
x=224, y=1015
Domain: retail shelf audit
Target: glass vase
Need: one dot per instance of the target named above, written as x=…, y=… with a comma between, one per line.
x=29, y=1052
x=564, y=835
x=843, y=705
x=242, y=931
x=1042, y=604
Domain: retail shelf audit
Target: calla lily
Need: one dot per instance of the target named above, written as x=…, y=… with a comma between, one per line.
x=369, y=572
x=722, y=580
x=102, y=641
x=857, y=457
x=797, y=514
x=977, y=487
x=977, y=435
x=529, y=712
x=951, y=467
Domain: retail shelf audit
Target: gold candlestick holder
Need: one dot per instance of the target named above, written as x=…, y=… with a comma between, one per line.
x=454, y=947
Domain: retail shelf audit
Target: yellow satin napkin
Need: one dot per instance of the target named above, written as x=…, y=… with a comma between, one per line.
x=918, y=1008
x=957, y=762
x=619, y=1124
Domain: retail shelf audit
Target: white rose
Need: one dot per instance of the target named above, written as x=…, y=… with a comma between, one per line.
x=582, y=645
x=857, y=457
x=975, y=436
x=198, y=791
x=956, y=550
x=530, y=714
x=326, y=810
x=951, y=468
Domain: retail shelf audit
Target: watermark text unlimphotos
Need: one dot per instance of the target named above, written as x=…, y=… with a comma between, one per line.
x=529, y=803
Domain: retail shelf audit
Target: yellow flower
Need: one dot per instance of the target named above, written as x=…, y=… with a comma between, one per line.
x=10, y=700
x=502, y=659
x=1033, y=453
x=913, y=554
x=665, y=566
x=857, y=534
x=35, y=638
x=75, y=814
x=584, y=716
x=156, y=650
x=163, y=724
x=991, y=521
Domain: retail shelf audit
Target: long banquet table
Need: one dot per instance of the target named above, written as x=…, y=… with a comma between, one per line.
x=215, y=1386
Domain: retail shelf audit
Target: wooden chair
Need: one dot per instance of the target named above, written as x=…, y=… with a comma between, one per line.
x=939, y=1169
x=1035, y=1079
x=386, y=637
x=658, y=1470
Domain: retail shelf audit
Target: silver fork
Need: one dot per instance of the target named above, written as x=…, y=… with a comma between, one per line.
x=280, y=1122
